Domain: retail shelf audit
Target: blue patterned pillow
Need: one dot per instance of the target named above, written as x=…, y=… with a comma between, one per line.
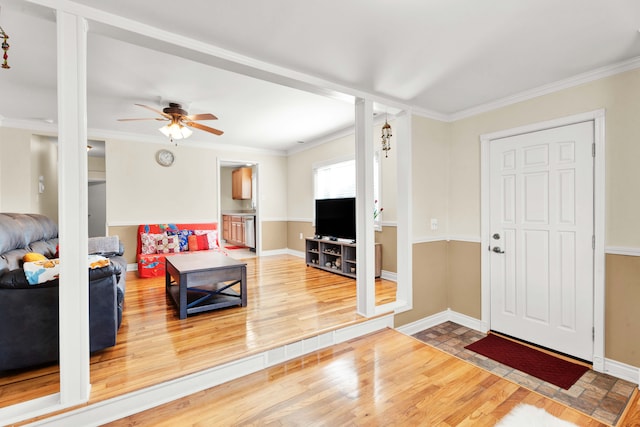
x=183, y=237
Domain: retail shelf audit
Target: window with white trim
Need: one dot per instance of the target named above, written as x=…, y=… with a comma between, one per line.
x=337, y=180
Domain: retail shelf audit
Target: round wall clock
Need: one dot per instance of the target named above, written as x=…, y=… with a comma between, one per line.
x=165, y=157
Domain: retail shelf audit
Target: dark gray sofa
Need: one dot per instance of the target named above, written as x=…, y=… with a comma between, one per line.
x=29, y=313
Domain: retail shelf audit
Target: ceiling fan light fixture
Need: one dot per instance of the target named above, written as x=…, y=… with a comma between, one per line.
x=175, y=130
x=186, y=132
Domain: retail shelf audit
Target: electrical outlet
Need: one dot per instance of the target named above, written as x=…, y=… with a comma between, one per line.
x=301, y=236
x=434, y=223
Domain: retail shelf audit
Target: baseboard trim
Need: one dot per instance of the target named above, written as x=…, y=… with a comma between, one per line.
x=622, y=371
x=425, y=323
x=619, y=250
x=276, y=252
x=132, y=403
x=468, y=321
x=293, y=252
x=389, y=275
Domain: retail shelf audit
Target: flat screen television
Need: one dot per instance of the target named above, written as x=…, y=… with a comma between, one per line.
x=336, y=218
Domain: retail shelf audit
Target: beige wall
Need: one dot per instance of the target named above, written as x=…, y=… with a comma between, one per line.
x=15, y=170
x=429, y=282
x=128, y=235
x=24, y=157
x=388, y=239
x=445, y=275
x=274, y=235
x=622, y=320
x=463, y=278
x=294, y=228
x=44, y=162
x=618, y=95
x=141, y=191
x=430, y=172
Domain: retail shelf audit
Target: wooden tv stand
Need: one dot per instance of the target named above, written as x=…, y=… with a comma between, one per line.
x=337, y=257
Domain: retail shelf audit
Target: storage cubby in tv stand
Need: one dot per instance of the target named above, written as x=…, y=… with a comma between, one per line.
x=337, y=256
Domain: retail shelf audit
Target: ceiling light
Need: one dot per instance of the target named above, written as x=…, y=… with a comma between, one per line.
x=175, y=130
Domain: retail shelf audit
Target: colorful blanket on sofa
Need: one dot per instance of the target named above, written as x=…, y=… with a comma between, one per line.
x=42, y=271
x=156, y=241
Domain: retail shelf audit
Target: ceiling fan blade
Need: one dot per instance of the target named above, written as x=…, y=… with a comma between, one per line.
x=146, y=118
x=204, y=116
x=204, y=128
x=162, y=113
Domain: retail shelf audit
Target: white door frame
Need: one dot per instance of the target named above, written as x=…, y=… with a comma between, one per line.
x=598, y=118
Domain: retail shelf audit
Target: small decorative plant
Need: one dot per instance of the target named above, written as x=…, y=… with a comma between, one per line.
x=376, y=211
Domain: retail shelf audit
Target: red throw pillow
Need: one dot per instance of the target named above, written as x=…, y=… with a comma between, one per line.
x=198, y=243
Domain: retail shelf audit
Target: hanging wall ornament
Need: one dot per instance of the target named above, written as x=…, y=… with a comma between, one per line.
x=5, y=48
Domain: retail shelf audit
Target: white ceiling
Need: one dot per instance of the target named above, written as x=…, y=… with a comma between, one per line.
x=441, y=58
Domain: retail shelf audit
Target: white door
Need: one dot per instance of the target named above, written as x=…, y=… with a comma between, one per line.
x=541, y=201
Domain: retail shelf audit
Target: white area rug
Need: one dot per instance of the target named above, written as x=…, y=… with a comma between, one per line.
x=531, y=416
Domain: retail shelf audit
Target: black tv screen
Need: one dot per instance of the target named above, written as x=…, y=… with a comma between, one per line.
x=336, y=218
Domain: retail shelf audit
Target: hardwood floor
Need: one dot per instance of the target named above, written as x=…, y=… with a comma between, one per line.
x=287, y=301
x=385, y=378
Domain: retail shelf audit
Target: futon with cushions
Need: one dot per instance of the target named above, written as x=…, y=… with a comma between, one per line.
x=156, y=241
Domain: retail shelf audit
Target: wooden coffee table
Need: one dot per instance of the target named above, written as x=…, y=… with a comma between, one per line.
x=204, y=281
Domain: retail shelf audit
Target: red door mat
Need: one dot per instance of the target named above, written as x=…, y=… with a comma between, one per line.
x=541, y=365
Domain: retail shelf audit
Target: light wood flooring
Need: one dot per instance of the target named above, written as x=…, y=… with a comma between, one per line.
x=287, y=301
x=384, y=378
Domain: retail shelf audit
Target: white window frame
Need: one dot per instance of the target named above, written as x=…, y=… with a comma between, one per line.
x=377, y=187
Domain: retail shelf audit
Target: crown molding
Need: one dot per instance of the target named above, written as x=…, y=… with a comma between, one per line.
x=430, y=114
x=49, y=129
x=579, y=79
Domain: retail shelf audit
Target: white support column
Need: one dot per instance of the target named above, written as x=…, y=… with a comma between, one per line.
x=402, y=133
x=72, y=211
x=365, y=274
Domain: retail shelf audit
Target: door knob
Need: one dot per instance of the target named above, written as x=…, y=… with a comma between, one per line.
x=496, y=236
x=497, y=250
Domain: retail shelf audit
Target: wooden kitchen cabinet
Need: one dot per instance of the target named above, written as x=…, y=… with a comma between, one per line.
x=226, y=227
x=233, y=229
x=241, y=184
